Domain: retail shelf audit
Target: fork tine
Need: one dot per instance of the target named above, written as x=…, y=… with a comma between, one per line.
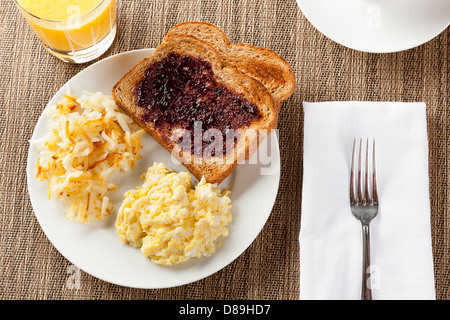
x=360, y=194
x=366, y=173
x=374, y=176
x=352, y=175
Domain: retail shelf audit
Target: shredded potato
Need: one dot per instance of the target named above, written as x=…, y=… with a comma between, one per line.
x=89, y=140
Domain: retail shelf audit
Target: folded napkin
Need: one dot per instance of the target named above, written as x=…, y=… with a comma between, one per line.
x=400, y=235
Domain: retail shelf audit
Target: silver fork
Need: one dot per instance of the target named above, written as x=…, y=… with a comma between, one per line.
x=364, y=207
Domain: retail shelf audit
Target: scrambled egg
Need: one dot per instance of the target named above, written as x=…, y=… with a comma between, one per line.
x=89, y=140
x=169, y=220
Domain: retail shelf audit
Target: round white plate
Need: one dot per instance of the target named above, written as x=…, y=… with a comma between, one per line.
x=378, y=26
x=96, y=248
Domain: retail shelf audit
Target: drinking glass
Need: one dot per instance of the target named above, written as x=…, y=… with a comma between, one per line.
x=79, y=39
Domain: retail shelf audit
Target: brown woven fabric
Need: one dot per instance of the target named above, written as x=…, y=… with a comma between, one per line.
x=31, y=268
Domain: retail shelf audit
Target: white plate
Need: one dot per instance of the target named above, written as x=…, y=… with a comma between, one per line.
x=378, y=26
x=96, y=248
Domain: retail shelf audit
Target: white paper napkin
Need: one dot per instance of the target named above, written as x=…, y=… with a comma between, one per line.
x=330, y=237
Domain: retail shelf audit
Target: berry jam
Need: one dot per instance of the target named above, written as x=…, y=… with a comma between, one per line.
x=180, y=91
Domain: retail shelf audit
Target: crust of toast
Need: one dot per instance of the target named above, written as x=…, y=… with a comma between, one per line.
x=264, y=65
x=214, y=169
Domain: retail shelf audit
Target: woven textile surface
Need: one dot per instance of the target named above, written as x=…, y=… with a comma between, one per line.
x=31, y=268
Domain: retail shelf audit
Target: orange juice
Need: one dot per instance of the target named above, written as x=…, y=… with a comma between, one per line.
x=67, y=26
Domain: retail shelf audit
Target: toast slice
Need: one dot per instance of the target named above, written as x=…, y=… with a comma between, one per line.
x=264, y=65
x=161, y=122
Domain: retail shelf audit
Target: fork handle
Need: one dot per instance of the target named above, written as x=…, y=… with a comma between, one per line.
x=366, y=291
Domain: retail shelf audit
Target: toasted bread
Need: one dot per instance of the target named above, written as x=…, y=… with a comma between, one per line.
x=214, y=168
x=262, y=64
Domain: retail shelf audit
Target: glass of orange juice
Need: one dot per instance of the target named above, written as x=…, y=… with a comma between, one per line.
x=73, y=30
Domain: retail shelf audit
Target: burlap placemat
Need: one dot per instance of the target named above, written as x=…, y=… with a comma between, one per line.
x=31, y=268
